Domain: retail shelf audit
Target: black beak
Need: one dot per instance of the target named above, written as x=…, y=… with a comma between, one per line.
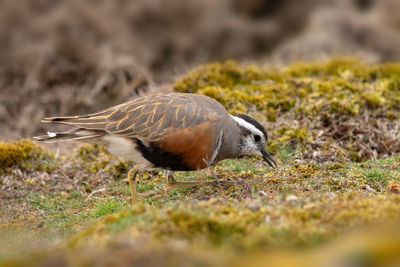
x=268, y=158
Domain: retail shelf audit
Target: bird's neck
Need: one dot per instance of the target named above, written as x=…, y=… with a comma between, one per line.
x=230, y=142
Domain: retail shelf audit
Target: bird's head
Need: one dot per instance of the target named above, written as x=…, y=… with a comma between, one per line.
x=253, y=138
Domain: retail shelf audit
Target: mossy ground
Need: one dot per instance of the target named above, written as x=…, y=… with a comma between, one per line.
x=340, y=110
x=316, y=210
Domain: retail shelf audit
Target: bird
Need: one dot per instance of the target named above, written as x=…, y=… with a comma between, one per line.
x=170, y=131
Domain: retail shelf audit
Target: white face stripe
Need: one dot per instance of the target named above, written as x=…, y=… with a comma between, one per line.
x=247, y=125
x=216, y=149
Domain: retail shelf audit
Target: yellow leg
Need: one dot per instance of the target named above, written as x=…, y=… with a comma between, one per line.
x=132, y=184
x=173, y=183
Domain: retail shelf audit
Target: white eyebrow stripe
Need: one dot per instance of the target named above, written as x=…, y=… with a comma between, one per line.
x=247, y=125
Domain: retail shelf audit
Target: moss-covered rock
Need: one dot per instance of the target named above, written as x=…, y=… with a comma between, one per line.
x=24, y=155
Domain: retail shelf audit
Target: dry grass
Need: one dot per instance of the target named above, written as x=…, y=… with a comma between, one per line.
x=67, y=57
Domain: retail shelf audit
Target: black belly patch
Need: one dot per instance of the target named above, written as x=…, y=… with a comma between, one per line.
x=160, y=158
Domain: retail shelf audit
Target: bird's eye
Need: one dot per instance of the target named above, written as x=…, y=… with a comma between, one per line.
x=257, y=138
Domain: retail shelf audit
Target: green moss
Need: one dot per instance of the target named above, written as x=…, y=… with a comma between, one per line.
x=320, y=96
x=95, y=158
x=24, y=155
x=216, y=224
x=287, y=134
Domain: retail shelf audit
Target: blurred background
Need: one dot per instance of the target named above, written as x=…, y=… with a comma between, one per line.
x=60, y=57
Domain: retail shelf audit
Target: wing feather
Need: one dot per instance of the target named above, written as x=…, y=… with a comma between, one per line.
x=149, y=117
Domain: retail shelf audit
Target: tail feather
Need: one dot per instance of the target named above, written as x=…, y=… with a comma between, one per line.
x=72, y=119
x=96, y=116
x=89, y=127
x=79, y=134
x=95, y=123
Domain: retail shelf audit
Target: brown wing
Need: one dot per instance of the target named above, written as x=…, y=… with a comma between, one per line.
x=150, y=117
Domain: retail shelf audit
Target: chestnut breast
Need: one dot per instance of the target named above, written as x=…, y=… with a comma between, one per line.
x=193, y=146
